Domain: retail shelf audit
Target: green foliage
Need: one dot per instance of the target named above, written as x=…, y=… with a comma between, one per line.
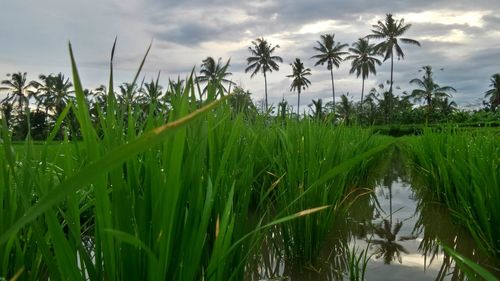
x=329, y=52
x=461, y=169
x=300, y=81
x=263, y=60
x=137, y=198
x=311, y=172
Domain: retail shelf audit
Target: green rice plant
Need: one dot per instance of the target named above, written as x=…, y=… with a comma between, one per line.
x=140, y=203
x=461, y=170
x=317, y=166
x=357, y=262
x=473, y=270
x=180, y=194
x=136, y=198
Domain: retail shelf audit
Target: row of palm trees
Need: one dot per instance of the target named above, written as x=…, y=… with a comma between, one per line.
x=53, y=92
x=362, y=54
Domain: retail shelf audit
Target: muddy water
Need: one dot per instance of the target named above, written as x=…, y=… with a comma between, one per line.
x=399, y=227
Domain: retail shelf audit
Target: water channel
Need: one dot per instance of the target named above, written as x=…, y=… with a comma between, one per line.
x=399, y=226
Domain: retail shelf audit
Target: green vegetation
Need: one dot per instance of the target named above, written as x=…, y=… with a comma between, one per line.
x=390, y=31
x=262, y=59
x=186, y=181
x=329, y=52
x=299, y=80
x=140, y=199
x=461, y=169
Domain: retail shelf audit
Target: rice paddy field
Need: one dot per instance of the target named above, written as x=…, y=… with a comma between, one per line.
x=202, y=193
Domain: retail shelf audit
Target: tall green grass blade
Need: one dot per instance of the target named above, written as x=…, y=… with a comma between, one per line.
x=88, y=174
x=463, y=261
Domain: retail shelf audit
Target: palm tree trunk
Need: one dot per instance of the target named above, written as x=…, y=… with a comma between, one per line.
x=429, y=108
x=333, y=90
x=392, y=81
x=20, y=105
x=362, y=92
x=390, y=203
x=298, y=105
x=265, y=88
x=392, y=71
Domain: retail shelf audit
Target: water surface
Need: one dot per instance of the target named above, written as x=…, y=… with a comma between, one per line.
x=397, y=223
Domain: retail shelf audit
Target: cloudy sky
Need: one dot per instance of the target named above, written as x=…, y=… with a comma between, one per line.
x=462, y=37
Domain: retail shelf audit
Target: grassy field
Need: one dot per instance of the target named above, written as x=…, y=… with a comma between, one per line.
x=462, y=171
x=189, y=195
x=148, y=200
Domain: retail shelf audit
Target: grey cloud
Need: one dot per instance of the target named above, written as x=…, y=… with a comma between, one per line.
x=189, y=34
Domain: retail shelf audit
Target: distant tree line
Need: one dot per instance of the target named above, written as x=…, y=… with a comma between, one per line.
x=34, y=106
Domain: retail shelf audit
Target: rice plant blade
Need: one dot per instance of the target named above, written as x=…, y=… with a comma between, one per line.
x=104, y=165
x=296, y=215
x=58, y=123
x=134, y=241
x=475, y=267
x=142, y=64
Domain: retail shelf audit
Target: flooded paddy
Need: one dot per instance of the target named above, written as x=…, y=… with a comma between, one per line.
x=397, y=223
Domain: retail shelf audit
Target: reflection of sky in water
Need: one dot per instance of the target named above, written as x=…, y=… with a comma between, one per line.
x=412, y=266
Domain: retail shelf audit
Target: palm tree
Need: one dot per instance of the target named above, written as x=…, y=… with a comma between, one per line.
x=215, y=75
x=329, y=52
x=262, y=59
x=446, y=106
x=345, y=108
x=128, y=92
x=385, y=101
x=175, y=87
x=390, y=32
x=300, y=81
x=20, y=90
x=151, y=92
x=494, y=92
x=429, y=90
x=55, y=91
x=318, y=109
x=241, y=101
x=363, y=61
x=371, y=100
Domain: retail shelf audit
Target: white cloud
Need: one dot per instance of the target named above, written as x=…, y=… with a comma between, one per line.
x=448, y=17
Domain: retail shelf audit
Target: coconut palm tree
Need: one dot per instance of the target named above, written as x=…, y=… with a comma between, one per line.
x=241, y=101
x=429, y=90
x=20, y=90
x=174, y=88
x=128, y=94
x=300, y=81
x=262, y=59
x=318, y=109
x=55, y=90
x=151, y=92
x=446, y=106
x=329, y=52
x=214, y=74
x=390, y=32
x=386, y=101
x=345, y=109
x=363, y=61
x=494, y=92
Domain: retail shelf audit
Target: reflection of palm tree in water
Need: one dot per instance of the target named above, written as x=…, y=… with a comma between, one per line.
x=387, y=246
